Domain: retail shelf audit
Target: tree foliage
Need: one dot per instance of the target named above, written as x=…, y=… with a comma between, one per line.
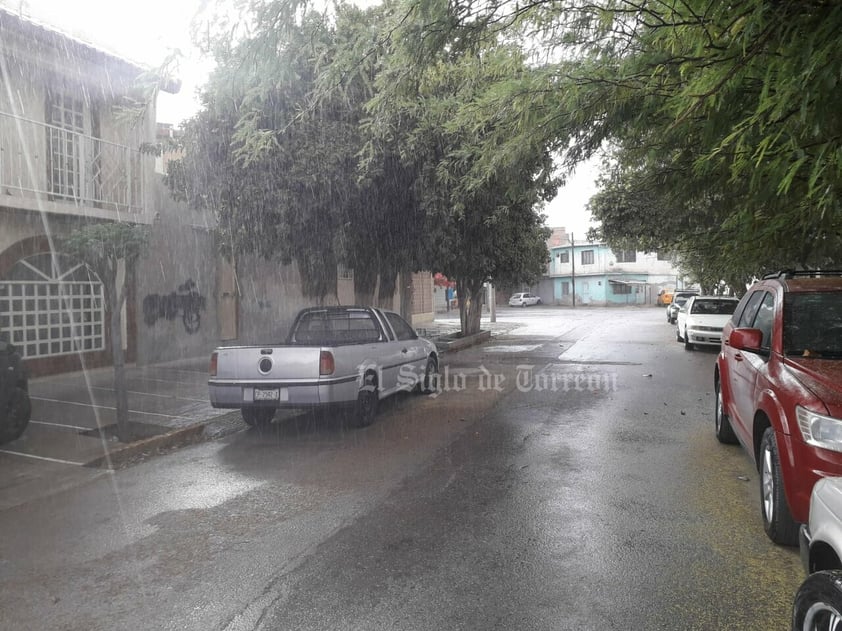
x=307, y=153
x=719, y=118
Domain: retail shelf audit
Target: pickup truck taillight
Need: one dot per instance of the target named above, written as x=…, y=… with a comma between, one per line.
x=213, y=363
x=326, y=363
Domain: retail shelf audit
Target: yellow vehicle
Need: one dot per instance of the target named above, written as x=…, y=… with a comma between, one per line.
x=665, y=297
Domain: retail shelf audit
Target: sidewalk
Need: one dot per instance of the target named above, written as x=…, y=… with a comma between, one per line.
x=74, y=415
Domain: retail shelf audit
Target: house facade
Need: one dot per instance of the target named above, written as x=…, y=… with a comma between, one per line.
x=595, y=274
x=69, y=154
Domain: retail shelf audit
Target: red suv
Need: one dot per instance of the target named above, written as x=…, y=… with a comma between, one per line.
x=778, y=382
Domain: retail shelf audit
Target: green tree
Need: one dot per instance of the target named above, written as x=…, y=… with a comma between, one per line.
x=481, y=228
x=731, y=105
x=276, y=153
x=103, y=247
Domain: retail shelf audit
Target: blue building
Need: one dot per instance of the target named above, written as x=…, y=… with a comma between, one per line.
x=597, y=275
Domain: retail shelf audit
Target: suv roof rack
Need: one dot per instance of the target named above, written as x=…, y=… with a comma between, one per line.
x=807, y=273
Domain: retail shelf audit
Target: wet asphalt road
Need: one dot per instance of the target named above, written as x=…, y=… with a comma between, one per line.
x=585, y=492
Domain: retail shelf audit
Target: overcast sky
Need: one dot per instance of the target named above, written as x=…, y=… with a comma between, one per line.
x=148, y=31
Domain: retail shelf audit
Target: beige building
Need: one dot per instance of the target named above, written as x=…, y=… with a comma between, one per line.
x=69, y=153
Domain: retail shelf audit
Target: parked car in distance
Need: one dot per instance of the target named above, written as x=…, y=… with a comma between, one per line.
x=524, y=300
x=818, y=602
x=701, y=319
x=351, y=356
x=679, y=299
x=664, y=297
x=778, y=384
x=15, y=406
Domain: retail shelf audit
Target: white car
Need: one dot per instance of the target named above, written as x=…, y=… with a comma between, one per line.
x=524, y=300
x=701, y=319
x=818, y=603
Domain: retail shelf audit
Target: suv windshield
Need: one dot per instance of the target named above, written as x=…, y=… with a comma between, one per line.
x=713, y=307
x=813, y=324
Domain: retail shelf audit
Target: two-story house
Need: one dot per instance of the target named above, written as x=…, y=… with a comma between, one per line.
x=69, y=154
x=597, y=275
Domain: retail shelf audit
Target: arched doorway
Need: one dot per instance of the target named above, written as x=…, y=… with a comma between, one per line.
x=51, y=306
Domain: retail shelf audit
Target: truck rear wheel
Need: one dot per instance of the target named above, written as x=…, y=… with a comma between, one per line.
x=367, y=399
x=258, y=417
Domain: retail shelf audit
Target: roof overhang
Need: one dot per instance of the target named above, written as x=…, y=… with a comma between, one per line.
x=627, y=282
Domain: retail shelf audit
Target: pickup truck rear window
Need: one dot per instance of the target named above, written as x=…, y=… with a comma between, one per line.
x=335, y=328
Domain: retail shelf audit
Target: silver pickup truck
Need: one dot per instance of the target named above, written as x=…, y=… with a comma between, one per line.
x=333, y=355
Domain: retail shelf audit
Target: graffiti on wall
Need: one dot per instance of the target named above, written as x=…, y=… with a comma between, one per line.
x=185, y=301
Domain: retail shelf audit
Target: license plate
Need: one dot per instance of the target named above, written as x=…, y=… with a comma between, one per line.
x=267, y=395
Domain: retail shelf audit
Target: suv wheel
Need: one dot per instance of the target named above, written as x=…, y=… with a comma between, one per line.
x=778, y=523
x=724, y=432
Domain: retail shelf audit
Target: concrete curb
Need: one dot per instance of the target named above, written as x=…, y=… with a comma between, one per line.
x=455, y=344
x=120, y=456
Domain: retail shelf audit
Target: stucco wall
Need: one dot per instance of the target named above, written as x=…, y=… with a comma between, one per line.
x=181, y=248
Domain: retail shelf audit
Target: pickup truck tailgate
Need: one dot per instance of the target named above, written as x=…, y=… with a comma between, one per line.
x=266, y=376
x=268, y=364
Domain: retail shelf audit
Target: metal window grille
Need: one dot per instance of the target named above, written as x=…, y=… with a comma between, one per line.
x=50, y=306
x=587, y=257
x=47, y=318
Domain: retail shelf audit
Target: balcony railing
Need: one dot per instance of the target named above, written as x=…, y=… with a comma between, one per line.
x=43, y=162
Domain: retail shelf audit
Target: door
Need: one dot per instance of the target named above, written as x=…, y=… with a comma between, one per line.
x=743, y=368
x=411, y=354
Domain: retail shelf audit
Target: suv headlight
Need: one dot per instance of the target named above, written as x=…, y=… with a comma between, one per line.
x=819, y=430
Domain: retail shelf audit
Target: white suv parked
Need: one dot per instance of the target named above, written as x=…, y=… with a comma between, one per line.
x=818, y=603
x=524, y=300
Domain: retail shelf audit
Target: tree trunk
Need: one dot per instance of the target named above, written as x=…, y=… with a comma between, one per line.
x=124, y=433
x=406, y=295
x=318, y=276
x=470, y=304
x=386, y=292
x=365, y=282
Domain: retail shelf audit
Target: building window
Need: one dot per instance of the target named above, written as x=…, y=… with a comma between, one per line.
x=663, y=256
x=621, y=289
x=626, y=256
x=587, y=257
x=564, y=257
x=66, y=118
x=52, y=306
x=565, y=288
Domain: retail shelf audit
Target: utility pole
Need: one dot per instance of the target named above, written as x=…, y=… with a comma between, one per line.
x=492, y=302
x=573, y=261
